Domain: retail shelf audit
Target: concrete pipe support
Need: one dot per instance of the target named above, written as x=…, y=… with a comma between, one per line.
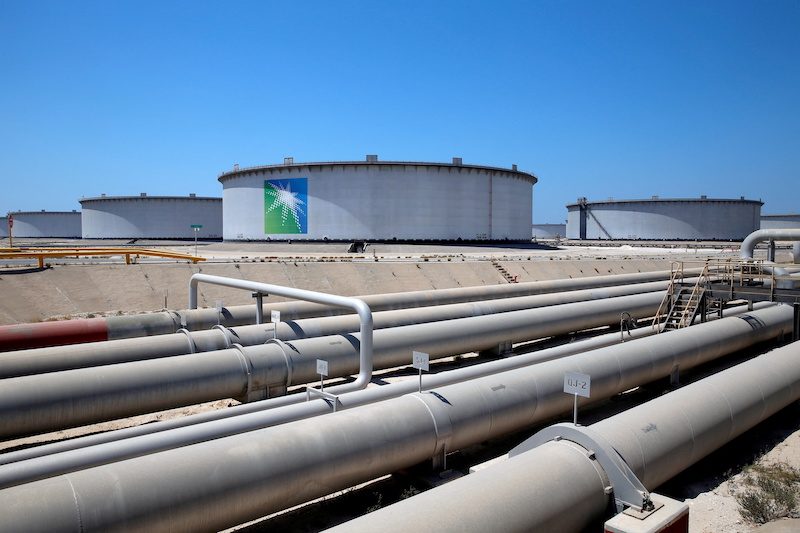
x=228, y=481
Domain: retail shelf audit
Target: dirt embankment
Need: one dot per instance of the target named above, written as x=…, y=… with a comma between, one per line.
x=80, y=290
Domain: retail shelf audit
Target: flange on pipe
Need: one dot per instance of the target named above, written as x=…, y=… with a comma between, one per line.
x=624, y=486
x=637, y=509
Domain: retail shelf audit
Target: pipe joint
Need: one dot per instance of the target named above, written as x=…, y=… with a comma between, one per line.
x=226, y=335
x=442, y=423
x=628, y=490
x=287, y=351
x=256, y=378
x=190, y=339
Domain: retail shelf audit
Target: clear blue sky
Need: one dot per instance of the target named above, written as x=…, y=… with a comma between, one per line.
x=597, y=98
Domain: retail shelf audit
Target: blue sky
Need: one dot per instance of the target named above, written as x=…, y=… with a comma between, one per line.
x=597, y=98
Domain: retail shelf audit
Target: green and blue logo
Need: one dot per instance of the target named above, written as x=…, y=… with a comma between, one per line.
x=285, y=204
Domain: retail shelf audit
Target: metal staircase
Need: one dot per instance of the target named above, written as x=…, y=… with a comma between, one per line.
x=682, y=301
x=503, y=272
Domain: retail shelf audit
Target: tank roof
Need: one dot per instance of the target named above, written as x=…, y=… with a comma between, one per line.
x=147, y=197
x=43, y=212
x=245, y=170
x=669, y=200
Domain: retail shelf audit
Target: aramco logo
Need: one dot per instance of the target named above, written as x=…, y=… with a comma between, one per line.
x=285, y=203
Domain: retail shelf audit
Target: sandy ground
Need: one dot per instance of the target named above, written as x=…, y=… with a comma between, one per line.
x=87, y=287
x=710, y=491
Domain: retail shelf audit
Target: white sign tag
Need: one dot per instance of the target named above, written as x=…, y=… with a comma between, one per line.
x=218, y=305
x=420, y=361
x=275, y=317
x=577, y=383
x=322, y=367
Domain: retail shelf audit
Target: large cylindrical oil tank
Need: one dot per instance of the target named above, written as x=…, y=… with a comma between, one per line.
x=549, y=231
x=377, y=200
x=664, y=219
x=151, y=217
x=780, y=221
x=3, y=227
x=62, y=224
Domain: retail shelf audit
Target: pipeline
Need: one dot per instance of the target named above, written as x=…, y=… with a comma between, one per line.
x=57, y=358
x=57, y=400
x=38, y=335
x=749, y=244
x=557, y=487
x=231, y=480
x=364, y=314
x=93, y=450
x=102, y=448
x=97, y=449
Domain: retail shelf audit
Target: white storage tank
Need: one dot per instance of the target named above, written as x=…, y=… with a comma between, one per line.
x=549, y=231
x=60, y=224
x=3, y=227
x=664, y=219
x=376, y=200
x=151, y=217
x=780, y=221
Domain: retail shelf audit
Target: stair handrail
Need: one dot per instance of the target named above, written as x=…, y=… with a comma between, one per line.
x=663, y=307
x=696, y=294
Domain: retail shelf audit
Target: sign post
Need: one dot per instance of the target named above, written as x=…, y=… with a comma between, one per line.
x=10, y=225
x=196, y=228
x=322, y=370
x=420, y=361
x=577, y=384
x=275, y=318
x=218, y=304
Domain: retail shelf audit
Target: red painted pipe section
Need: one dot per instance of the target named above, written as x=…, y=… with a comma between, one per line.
x=42, y=334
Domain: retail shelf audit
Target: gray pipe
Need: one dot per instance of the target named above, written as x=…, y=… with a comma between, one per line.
x=56, y=400
x=365, y=356
x=749, y=244
x=237, y=315
x=97, y=449
x=57, y=358
x=234, y=479
x=556, y=486
x=93, y=450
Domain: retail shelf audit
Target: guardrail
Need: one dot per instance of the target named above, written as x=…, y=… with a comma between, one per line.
x=41, y=254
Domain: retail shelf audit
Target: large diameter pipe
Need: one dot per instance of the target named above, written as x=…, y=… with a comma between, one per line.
x=749, y=244
x=57, y=358
x=36, y=335
x=97, y=449
x=30, y=464
x=264, y=413
x=57, y=400
x=556, y=486
x=228, y=481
